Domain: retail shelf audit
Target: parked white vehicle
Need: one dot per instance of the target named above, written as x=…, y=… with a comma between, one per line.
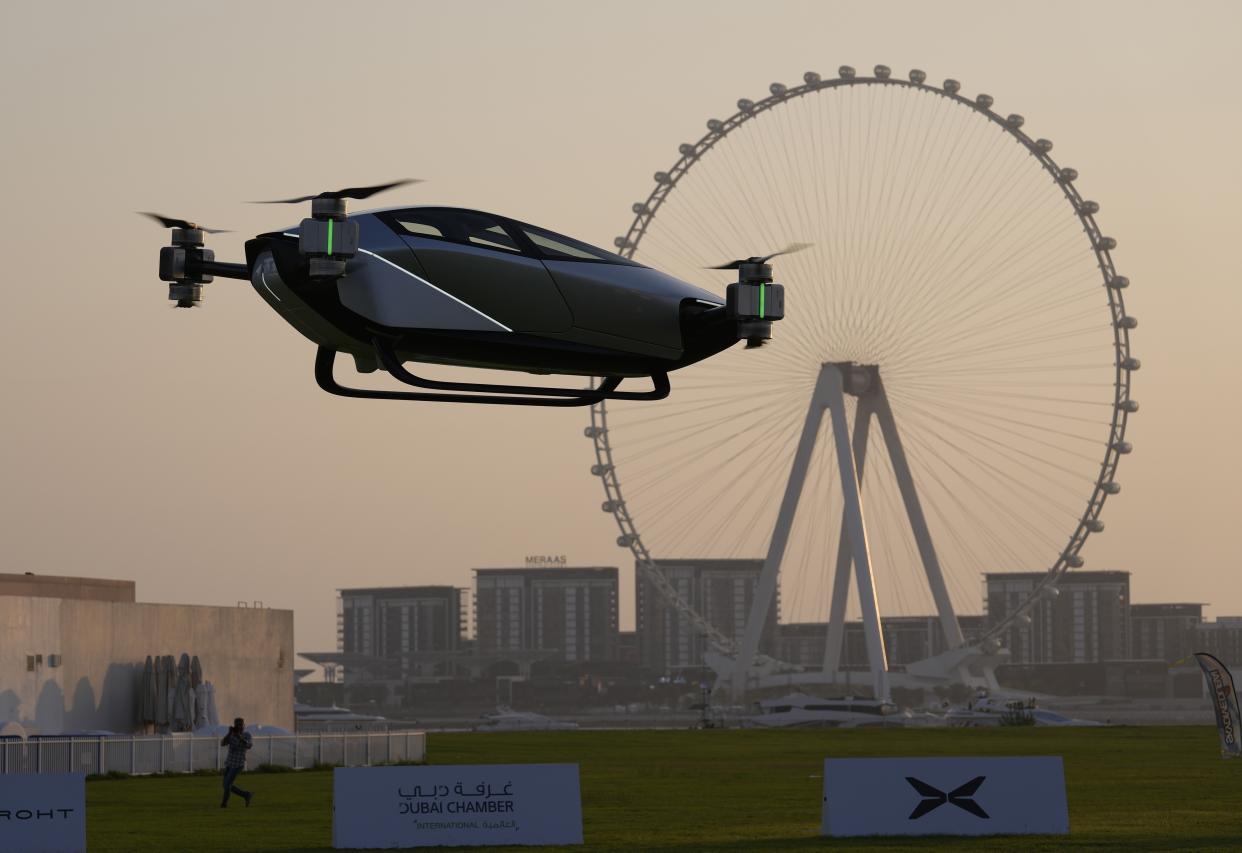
x=802, y=709
x=331, y=718
x=986, y=710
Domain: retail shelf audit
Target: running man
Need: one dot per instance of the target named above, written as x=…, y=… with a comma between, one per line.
x=238, y=741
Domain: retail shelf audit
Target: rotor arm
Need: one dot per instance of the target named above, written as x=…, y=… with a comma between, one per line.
x=187, y=264
x=219, y=269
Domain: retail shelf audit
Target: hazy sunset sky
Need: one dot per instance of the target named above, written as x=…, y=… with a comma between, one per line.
x=191, y=450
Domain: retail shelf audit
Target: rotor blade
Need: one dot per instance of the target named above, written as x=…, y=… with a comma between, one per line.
x=169, y=222
x=788, y=250
x=358, y=193
x=297, y=200
x=366, y=192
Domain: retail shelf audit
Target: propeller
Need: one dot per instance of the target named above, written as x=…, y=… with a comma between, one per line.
x=788, y=250
x=169, y=222
x=358, y=193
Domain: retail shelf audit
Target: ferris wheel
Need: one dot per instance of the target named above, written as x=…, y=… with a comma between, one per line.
x=958, y=293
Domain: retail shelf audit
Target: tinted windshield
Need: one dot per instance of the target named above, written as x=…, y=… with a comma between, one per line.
x=480, y=229
x=460, y=226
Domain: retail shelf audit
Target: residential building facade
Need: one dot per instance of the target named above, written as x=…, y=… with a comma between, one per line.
x=1222, y=638
x=1086, y=620
x=1163, y=631
x=906, y=639
x=390, y=622
x=722, y=591
x=571, y=613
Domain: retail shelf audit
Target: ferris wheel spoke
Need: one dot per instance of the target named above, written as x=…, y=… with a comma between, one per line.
x=1015, y=343
x=713, y=449
x=702, y=406
x=1010, y=452
x=947, y=284
x=1001, y=425
x=986, y=455
x=994, y=284
x=699, y=431
x=1019, y=522
x=978, y=414
x=993, y=319
x=676, y=505
x=928, y=250
x=994, y=552
x=1038, y=501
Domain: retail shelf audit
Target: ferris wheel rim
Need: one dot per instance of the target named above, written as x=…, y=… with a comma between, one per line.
x=1101, y=245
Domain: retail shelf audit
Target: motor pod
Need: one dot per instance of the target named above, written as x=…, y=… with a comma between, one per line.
x=756, y=302
x=179, y=264
x=328, y=239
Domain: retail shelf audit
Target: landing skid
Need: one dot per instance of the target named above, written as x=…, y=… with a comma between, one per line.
x=481, y=393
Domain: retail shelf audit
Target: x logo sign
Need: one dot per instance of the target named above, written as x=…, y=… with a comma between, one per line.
x=933, y=798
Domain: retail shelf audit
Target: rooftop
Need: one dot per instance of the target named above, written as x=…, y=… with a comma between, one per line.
x=549, y=571
x=400, y=591
x=29, y=584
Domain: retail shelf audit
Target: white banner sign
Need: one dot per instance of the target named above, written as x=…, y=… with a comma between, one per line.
x=456, y=805
x=43, y=813
x=944, y=796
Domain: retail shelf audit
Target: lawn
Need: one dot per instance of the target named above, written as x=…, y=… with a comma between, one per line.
x=1158, y=788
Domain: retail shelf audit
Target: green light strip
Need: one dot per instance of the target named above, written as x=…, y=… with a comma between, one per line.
x=761, y=295
x=330, y=246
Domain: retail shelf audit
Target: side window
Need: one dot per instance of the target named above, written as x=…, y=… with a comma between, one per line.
x=458, y=226
x=561, y=248
x=492, y=237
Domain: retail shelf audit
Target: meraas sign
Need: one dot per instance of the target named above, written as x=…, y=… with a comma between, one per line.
x=547, y=562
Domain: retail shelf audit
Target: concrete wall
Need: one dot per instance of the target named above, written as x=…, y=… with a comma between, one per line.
x=247, y=653
x=29, y=626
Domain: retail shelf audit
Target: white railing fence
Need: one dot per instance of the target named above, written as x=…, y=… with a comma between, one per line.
x=187, y=753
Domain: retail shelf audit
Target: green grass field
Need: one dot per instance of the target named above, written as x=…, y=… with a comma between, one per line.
x=1129, y=789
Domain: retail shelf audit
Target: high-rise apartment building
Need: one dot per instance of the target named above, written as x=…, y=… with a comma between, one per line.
x=1222, y=638
x=907, y=639
x=721, y=591
x=569, y=612
x=1163, y=631
x=389, y=622
x=1086, y=620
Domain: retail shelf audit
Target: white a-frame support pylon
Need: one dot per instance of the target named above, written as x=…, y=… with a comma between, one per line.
x=835, y=380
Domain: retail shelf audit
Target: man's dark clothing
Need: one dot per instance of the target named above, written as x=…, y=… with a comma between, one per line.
x=235, y=764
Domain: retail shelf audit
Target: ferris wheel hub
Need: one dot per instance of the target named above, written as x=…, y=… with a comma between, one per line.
x=860, y=380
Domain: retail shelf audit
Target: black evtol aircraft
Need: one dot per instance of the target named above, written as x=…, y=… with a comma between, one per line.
x=462, y=287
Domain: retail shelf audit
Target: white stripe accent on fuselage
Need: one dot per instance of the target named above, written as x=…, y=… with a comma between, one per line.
x=418, y=278
x=433, y=287
x=263, y=278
